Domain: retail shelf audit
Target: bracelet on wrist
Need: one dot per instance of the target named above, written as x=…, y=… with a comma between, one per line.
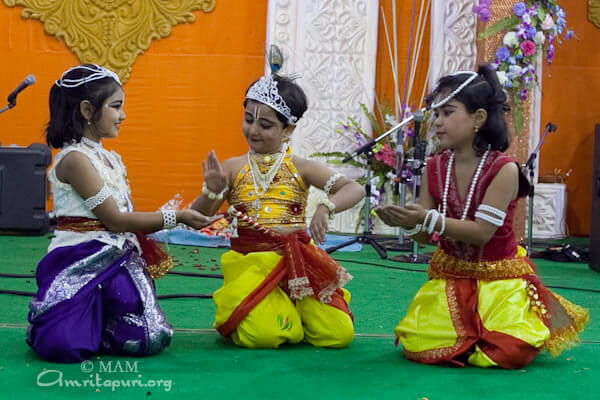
x=169, y=219
x=212, y=195
x=330, y=206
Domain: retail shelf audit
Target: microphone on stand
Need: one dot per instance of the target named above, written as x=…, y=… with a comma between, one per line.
x=419, y=149
x=12, y=97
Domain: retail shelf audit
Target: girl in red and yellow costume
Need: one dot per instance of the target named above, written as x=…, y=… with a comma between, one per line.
x=278, y=287
x=483, y=303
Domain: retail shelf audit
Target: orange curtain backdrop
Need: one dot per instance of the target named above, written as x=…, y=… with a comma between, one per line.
x=570, y=89
x=384, y=81
x=183, y=99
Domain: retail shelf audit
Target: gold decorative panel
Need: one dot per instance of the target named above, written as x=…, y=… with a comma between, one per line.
x=111, y=33
x=594, y=12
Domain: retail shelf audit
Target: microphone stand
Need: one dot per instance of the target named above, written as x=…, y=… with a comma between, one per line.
x=8, y=107
x=416, y=165
x=550, y=127
x=367, y=149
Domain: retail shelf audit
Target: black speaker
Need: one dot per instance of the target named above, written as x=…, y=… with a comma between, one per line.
x=595, y=232
x=23, y=189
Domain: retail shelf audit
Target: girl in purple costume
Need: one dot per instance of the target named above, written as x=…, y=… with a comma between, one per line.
x=95, y=293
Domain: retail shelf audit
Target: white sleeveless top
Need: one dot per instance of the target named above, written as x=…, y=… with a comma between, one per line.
x=68, y=203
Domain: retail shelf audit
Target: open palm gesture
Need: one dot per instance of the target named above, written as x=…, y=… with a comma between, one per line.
x=214, y=175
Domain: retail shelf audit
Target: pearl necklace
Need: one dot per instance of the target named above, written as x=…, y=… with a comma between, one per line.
x=471, y=187
x=264, y=180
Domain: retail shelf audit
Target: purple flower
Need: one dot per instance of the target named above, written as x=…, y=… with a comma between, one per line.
x=483, y=11
x=523, y=94
x=519, y=9
x=530, y=32
x=569, y=34
x=502, y=53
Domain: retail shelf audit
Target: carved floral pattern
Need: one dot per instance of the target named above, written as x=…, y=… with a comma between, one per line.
x=111, y=33
x=594, y=12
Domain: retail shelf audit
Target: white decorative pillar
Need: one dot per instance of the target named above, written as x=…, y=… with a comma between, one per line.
x=331, y=45
x=549, y=204
x=453, y=33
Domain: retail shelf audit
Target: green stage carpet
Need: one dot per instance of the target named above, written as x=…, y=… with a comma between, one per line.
x=201, y=365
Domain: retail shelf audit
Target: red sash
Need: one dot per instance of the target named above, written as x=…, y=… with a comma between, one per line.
x=158, y=262
x=304, y=270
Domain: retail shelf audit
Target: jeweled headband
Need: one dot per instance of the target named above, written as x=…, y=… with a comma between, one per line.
x=457, y=90
x=265, y=91
x=98, y=72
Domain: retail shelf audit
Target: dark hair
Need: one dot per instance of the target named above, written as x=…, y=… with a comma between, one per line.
x=292, y=94
x=482, y=92
x=66, y=122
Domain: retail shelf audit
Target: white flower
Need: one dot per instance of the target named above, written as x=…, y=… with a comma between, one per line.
x=539, y=38
x=390, y=120
x=502, y=77
x=526, y=18
x=548, y=23
x=514, y=71
x=511, y=39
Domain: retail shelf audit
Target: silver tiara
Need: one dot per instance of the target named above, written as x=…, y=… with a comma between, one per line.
x=265, y=91
x=457, y=90
x=98, y=72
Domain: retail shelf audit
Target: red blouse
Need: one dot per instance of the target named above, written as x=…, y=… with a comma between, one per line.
x=503, y=244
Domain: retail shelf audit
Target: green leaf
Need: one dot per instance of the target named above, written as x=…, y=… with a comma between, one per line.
x=372, y=119
x=541, y=14
x=518, y=117
x=353, y=163
x=330, y=154
x=505, y=24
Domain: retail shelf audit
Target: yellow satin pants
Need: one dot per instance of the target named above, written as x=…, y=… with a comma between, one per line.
x=503, y=306
x=276, y=319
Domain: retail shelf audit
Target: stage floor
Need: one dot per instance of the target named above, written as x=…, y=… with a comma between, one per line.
x=200, y=364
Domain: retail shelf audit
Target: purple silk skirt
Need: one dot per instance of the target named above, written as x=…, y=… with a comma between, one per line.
x=95, y=298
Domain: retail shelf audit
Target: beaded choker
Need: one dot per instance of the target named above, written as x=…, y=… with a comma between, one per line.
x=263, y=181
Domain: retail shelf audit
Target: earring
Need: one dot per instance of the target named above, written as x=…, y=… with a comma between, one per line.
x=476, y=129
x=89, y=122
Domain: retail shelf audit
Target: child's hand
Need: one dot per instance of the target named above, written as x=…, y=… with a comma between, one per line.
x=404, y=217
x=214, y=175
x=195, y=219
x=319, y=224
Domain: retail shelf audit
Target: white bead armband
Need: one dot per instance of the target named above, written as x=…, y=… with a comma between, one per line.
x=497, y=217
x=92, y=202
x=212, y=195
x=330, y=206
x=169, y=219
x=331, y=182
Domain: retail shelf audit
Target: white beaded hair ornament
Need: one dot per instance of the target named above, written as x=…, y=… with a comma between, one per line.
x=98, y=72
x=470, y=79
x=265, y=90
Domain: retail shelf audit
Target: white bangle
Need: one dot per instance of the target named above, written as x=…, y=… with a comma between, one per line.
x=412, y=231
x=425, y=224
x=330, y=206
x=441, y=232
x=169, y=219
x=212, y=195
x=435, y=215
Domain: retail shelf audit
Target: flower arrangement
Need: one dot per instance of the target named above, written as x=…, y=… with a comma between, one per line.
x=383, y=164
x=534, y=26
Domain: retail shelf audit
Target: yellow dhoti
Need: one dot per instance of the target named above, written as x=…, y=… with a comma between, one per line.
x=276, y=319
x=494, y=322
